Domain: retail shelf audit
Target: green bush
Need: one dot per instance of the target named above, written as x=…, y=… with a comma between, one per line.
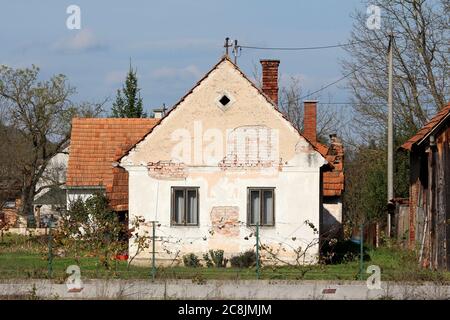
x=191, y=261
x=215, y=259
x=343, y=251
x=244, y=260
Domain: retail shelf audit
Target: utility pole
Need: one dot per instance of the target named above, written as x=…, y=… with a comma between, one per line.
x=390, y=160
x=227, y=45
x=235, y=51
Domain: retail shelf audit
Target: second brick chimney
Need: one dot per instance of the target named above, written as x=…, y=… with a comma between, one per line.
x=270, y=78
x=310, y=120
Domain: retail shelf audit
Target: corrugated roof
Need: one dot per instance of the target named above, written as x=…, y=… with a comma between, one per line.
x=428, y=128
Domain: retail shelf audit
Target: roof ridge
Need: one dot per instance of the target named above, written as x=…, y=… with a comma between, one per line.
x=429, y=126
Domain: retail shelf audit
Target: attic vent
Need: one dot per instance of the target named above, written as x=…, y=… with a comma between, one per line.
x=224, y=100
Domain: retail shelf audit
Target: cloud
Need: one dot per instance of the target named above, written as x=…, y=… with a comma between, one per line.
x=176, y=44
x=115, y=77
x=83, y=41
x=166, y=73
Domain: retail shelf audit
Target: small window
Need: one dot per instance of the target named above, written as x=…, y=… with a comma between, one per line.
x=10, y=204
x=261, y=206
x=224, y=100
x=185, y=206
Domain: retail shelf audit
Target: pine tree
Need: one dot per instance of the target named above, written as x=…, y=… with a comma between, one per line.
x=128, y=102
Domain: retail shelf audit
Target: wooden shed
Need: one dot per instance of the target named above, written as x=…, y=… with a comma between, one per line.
x=429, y=201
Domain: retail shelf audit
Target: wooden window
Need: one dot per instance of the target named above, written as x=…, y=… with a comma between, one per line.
x=185, y=206
x=261, y=206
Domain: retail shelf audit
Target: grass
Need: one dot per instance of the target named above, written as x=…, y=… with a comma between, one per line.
x=23, y=257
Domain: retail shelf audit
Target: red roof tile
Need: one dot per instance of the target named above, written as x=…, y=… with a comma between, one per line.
x=95, y=144
x=333, y=180
x=428, y=128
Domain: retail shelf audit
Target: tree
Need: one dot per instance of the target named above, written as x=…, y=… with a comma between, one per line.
x=421, y=47
x=420, y=56
x=91, y=227
x=291, y=105
x=128, y=102
x=36, y=124
x=366, y=182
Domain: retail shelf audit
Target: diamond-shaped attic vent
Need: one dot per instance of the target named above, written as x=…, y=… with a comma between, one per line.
x=224, y=100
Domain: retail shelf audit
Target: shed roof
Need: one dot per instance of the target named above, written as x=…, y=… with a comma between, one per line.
x=428, y=128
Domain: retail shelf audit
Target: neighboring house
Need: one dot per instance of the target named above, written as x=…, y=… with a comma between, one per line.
x=9, y=202
x=51, y=201
x=332, y=180
x=429, y=194
x=223, y=159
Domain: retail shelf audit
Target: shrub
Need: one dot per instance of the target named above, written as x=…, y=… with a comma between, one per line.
x=343, y=251
x=191, y=261
x=217, y=260
x=244, y=260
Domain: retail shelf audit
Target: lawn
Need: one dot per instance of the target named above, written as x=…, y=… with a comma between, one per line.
x=27, y=257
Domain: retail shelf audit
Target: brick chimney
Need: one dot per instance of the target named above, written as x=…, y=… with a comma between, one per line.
x=310, y=120
x=270, y=78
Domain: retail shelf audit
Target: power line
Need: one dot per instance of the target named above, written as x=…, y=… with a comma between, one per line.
x=330, y=84
x=309, y=48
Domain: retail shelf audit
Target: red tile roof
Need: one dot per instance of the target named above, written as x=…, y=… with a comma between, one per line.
x=428, y=128
x=94, y=146
x=333, y=180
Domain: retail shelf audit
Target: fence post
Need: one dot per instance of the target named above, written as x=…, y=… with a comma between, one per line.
x=361, y=251
x=50, y=254
x=257, y=250
x=153, y=251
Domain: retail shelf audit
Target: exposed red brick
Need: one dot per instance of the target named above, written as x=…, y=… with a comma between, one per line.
x=167, y=170
x=270, y=79
x=310, y=121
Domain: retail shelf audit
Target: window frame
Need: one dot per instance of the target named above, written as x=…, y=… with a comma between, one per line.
x=172, y=206
x=9, y=204
x=261, y=205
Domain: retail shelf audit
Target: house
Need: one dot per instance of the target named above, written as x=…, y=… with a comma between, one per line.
x=10, y=192
x=332, y=179
x=429, y=193
x=223, y=160
x=51, y=201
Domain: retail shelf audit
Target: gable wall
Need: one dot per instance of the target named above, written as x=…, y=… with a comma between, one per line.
x=223, y=188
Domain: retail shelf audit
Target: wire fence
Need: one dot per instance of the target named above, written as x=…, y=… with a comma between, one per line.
x=35, y=258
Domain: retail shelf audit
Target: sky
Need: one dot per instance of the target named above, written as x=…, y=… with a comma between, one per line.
x=173, y=43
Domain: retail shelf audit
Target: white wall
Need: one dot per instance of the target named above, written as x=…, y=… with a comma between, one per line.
x=296, y=201
x=332, y=216
x=83, y=194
